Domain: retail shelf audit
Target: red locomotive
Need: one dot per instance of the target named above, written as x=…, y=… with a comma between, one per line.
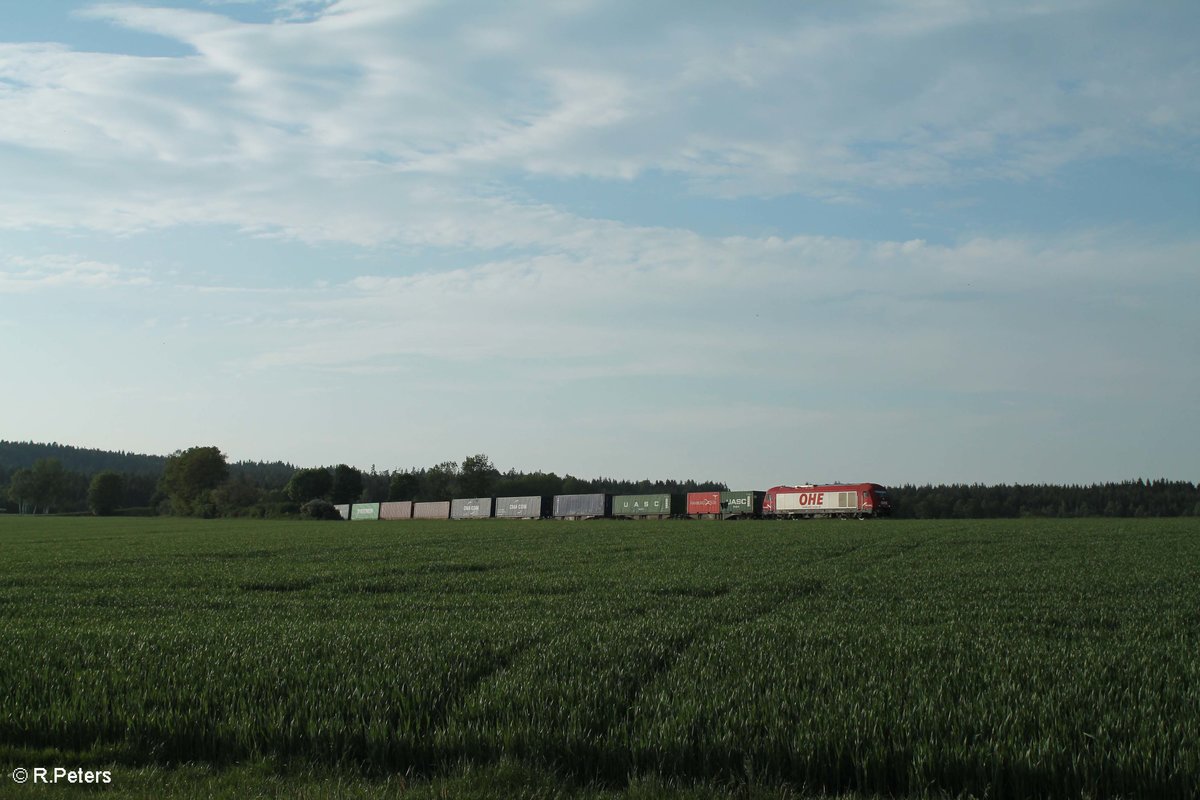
x=834, y=500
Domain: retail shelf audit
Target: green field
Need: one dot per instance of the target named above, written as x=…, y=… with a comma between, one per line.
x=1016, y=658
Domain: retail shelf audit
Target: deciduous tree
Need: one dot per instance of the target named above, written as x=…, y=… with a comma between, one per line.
x=477, y=476
x=309, y=484
x=190, y=476
x=105, y=493
x=347, y=484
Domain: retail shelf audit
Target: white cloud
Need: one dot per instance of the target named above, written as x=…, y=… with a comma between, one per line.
x=25, y=274
x=984, y=316
x=821, y=102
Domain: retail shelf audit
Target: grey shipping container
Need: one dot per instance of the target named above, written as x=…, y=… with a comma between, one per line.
x=582, y=505
x=396, y=509
x=439, y=509
x=531, y=507
x=648, y=505
x=343, y=510
x=471, y=508
x=364, y=511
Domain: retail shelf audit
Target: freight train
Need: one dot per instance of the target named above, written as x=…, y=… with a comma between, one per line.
x=858, y=500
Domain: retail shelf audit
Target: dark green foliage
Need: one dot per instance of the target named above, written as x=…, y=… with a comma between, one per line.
x=309, y=484
x=263, y=474
x=235, y=497
x=477, y=476
x=319, y=509
x=1157, y=498
x=106, y=493
x=78, y=459
x=347, y=484
x=404, y=486
x=376, y=486
x=440, y=482
x=45, y=487
x=189, y=478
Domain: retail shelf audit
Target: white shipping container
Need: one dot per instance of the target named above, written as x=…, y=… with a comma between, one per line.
x=531, y=507
x=471, y=508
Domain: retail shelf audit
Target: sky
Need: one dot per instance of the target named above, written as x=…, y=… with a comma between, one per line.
x=920, y=241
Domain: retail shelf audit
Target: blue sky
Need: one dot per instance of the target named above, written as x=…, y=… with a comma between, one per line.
x=765, y=243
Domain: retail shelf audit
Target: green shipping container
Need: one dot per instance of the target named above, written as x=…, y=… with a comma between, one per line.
x=364, y=511
x=741, y=504
x=647, y=505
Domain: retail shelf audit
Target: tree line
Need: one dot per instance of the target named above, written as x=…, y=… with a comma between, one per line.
x=1138, y=498
x=201, y=482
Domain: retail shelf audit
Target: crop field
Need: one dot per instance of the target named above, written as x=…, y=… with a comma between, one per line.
x=1007, y=658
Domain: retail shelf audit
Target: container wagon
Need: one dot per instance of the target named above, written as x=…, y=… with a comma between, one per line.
x=703, y=505
x=648, y=506
x=742, y=505
x=725, y=505
x=582, y=506
x=439, y=509
x=531, y=507
x=471, y=508
x=832, y=500
x=396, y=509
x=360, y=511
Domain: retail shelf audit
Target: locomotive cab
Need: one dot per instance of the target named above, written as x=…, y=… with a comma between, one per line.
x=877, y=500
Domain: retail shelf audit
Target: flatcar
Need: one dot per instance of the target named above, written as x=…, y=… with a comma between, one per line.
x=724, y=505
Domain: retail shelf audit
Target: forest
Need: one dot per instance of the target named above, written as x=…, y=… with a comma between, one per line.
x=57, y=478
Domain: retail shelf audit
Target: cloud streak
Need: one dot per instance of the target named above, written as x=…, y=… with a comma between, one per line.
x=824, y=102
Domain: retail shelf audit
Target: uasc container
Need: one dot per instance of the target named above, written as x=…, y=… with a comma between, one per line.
x=438, y=509
x=581, y=506
x=741, y=504
x=396, y=509
x=532, y=507
x=471, y=508
x=654, y=506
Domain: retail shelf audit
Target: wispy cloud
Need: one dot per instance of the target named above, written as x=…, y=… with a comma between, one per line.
x=25, y=274
x=363, y=94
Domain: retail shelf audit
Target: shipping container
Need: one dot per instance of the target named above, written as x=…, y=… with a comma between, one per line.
x=704, y=505
x=471, y=508
x=364, y=511
x=532, y=507
x=396, y=509
x=439, y=509
x=579, y=506
x=741, y=504
x=343, y=510
x=657, y=506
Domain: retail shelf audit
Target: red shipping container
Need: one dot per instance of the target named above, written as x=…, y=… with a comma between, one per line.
x=704, y=503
